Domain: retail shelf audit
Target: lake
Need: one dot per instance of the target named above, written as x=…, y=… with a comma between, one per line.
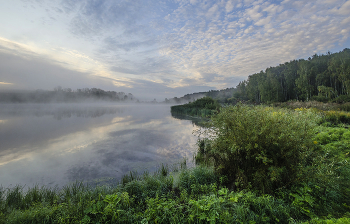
x=56, y=144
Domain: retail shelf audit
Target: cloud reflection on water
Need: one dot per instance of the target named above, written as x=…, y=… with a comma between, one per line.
x=132, y=137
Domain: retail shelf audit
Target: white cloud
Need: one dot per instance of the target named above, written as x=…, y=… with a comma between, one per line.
x=254, y=13
x=212, y=11
x=263, y=21
x=345, y=9
x=193, y=2
x=229, y=6
x=169, y=44
x=273, y=9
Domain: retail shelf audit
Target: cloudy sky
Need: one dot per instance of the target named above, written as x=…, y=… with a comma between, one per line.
x=156, y=48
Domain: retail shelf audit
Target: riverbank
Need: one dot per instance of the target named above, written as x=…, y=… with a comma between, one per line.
x=208, y=193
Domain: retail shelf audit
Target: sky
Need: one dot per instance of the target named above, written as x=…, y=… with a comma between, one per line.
x=160, y=49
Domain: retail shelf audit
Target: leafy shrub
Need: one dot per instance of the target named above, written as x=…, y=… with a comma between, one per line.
x=337, y=117
x=161, y=210
x=238, y=207
x=328, y=221
x=345, y=107
x=197, y=180
x=331, y=188
x=321, y=99
x=150, y=186
x=36, y=214
x=259, y=147
x=126, y=178
x=342, y=99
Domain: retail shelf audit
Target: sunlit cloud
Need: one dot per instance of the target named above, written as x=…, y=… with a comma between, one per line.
x=172, y=44
x=5, y=83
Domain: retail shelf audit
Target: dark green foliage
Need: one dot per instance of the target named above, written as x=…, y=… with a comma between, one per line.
x=345, y=107
x=323, y=78
x=334, y=170
x=303, y=168
x=164, y=170
x=14, y=198
x=162, y=210
x=336, y=117
x=197, y=181
x=342, y=99
x=153, y=199
x=204, y=107
x=238, y=207
x=259, y=147
x=36, y=214
x=149, y=186
x=129, y=177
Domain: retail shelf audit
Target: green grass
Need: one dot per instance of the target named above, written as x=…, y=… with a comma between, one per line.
x=193, y=195
x=206, y=194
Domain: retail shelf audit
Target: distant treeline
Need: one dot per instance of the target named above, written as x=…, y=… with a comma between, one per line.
x=323, y=78
x=65, y=95
x=60, y=112
x=222, y=96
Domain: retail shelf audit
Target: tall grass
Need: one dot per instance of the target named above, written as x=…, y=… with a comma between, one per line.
x=263, y=142
x=187, y=196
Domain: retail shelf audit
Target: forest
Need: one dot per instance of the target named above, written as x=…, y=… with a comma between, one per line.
x=324, y=78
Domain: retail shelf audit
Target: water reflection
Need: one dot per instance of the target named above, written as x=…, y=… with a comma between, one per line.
x=59, y=143
x=198, y=121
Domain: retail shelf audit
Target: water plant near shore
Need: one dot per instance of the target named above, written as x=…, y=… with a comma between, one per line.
x=318, y=172
x=193, y=195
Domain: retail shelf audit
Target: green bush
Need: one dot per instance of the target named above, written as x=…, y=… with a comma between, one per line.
x=337, y=117
x=259, y=147
x=342, y=99
x=161, y=210
x=345, y=107
x=36, y=214
x=333, y=170
x=204, y=107
x=198, y=180
x=321, y=99
x=329, y=221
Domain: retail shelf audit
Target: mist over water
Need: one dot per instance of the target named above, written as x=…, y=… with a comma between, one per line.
x=55, y=144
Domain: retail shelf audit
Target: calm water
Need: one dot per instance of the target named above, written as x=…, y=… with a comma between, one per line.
x=59, y=143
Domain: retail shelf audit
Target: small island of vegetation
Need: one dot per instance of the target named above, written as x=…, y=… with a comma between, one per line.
x=203, y=107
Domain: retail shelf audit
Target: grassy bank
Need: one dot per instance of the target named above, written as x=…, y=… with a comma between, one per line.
x=254, y=165
x=195, y=195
